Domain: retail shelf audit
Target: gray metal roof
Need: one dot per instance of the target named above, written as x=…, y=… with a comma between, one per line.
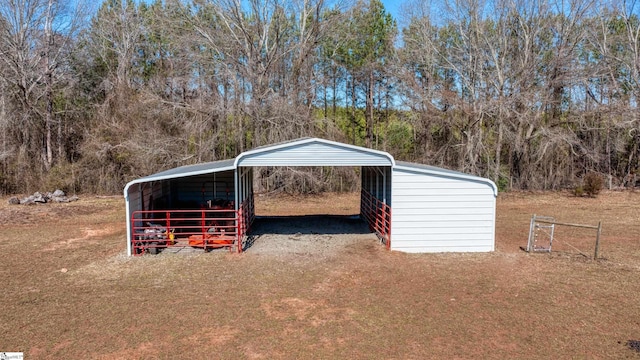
x=195, y=169
x=433, y=170
x=281, y=143
x=187, y=170
x=314, y=152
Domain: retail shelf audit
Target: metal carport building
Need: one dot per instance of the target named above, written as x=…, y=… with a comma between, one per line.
x=411, y=207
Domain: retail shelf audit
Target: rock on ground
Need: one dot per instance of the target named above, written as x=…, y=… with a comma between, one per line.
x=57, y=196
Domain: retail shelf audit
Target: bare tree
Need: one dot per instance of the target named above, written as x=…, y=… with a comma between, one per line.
x=269, y=45
x=36, y=36
x=115, y=35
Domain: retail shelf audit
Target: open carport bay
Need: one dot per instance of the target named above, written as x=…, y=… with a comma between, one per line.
x=318, y=236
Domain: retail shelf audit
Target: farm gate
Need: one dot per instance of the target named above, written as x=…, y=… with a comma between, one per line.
x=215, y=226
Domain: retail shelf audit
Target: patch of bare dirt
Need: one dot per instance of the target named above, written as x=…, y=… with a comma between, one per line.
x=89, y=234
x=39, y=213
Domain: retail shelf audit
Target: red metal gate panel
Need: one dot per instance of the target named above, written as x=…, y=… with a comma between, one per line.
x=154, y=230
x=378, y=215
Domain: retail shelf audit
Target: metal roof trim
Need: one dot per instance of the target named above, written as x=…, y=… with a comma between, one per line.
x=428, y=169
x=304, y=141
x=187, y=170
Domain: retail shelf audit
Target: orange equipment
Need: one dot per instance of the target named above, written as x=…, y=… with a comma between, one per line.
x=213, y=241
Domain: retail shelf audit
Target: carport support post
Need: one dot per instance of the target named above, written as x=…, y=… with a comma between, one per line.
x=384, y=186
x=236, y=197
x=377, y=192
x=129, y=232
x=381, y=173
x=236, y=191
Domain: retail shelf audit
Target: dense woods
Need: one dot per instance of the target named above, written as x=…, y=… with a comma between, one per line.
x=532, y=94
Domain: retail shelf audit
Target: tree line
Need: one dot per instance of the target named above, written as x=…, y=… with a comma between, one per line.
x=532, y=94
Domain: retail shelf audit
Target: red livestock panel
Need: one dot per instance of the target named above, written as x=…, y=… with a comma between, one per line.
x=378, y=215
x=155, y=230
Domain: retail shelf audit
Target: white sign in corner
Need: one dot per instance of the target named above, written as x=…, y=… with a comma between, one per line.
x=11, y=356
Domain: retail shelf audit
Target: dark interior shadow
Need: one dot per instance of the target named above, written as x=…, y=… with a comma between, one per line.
x=306, y=225
x=310, y=224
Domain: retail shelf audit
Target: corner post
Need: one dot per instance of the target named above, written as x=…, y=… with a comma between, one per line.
x=595, y=255
x=531, y=231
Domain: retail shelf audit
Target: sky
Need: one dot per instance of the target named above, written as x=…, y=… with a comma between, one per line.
x=392, y=6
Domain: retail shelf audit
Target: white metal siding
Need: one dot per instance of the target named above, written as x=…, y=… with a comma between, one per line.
x=143, y=196
x=314, y=154
x=134, y=199
x=441, y=213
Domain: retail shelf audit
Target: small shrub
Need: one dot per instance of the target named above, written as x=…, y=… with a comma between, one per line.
x=578, y=191
x=592, y=184
x=503, y=183
x=61, y=176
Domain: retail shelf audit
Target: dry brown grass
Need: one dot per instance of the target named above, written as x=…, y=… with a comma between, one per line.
x=364, y=302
